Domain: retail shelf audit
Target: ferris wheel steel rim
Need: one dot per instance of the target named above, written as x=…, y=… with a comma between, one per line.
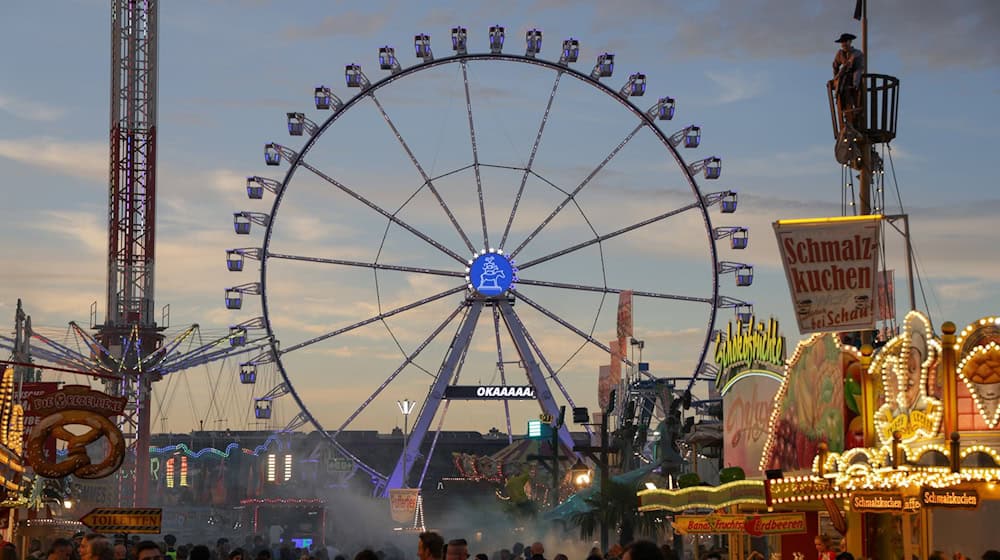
x=646, y=121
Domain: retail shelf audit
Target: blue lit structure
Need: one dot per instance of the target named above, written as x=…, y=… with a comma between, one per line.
x=488, y=285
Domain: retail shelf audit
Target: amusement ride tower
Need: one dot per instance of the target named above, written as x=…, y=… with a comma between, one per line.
x=130, y=351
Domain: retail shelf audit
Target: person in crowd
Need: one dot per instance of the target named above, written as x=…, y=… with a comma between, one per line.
x=517, y=549
x=236, y=554
x=258, y=545
x=430, y=546
x=61, y=549
x=171, y=542
x=458, y=549
x=221, y=551
x=92, y=545
x=366, y=554
x=668, y=553
x=642, y=550
x=991, y=555
x=35, y=551
x=200, y=552
x=120, y=551
x=824, y=547
x=537, y=552
x=148, y=550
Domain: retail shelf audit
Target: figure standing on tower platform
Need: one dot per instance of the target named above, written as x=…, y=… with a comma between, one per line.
x=848, y=69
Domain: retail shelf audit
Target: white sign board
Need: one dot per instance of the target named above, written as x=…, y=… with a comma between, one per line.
x=831, y=265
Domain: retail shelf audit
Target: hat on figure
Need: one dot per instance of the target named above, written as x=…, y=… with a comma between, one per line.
x=845, y=37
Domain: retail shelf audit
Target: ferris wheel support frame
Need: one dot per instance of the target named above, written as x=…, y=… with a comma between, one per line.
x=689, y=137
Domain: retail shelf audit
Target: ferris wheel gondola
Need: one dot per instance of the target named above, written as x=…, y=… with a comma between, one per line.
x=478, y=256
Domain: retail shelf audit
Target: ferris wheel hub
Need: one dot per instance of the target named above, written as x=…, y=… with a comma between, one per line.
x=491, y=273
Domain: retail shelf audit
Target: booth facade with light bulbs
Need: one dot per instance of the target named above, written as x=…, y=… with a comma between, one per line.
x=896, y=454
x=917, y=468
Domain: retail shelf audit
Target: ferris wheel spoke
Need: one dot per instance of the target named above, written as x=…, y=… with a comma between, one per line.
x=605, y=237
x=568, y=325
x=409, y=359
x=579, y=188
x=606, y=290
x=501, y=166
x=531, y=160
x=427, y=179
x=503, y=375
x=435, y=394
x=542, y=393
x=391, y=216
x=376, y=266
x=549, y=183
x=370, y=320
x=554, y=375
x=453, y=171
x=475, y=154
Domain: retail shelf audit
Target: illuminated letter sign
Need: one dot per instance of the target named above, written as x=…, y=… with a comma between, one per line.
x=882, y=502
x=748, y=346
x=489, y=392
x=949, y=498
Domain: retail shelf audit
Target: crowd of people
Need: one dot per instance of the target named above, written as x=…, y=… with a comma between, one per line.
x=430, y=546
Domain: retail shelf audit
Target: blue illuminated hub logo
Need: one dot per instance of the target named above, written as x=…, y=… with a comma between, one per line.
x=491, y=274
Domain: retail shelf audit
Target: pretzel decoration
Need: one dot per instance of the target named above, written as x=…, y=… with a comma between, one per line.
x=77, y=462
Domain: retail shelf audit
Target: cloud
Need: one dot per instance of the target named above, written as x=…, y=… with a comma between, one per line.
x=83, y=160
x=347, y=23
x=926, y=32
x=964, y=290
x=30, y=110
x=736, y=86
x=86, y=228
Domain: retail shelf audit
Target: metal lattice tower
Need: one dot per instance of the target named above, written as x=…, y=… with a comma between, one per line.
x=130, y=351
x=129, y=331
x=132, y=200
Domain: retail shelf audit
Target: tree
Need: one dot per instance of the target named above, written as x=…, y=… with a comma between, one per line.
x=618, y=507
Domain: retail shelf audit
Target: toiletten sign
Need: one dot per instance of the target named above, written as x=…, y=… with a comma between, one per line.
x=831, y=265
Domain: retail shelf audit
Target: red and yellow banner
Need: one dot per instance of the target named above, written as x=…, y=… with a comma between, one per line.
x=831, y=265
x=403, y=503
x=753, y=525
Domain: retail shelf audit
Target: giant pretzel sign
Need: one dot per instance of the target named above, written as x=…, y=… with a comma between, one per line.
x=76, y=405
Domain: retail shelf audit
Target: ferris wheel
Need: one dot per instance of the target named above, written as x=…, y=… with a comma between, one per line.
x=477, y=214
